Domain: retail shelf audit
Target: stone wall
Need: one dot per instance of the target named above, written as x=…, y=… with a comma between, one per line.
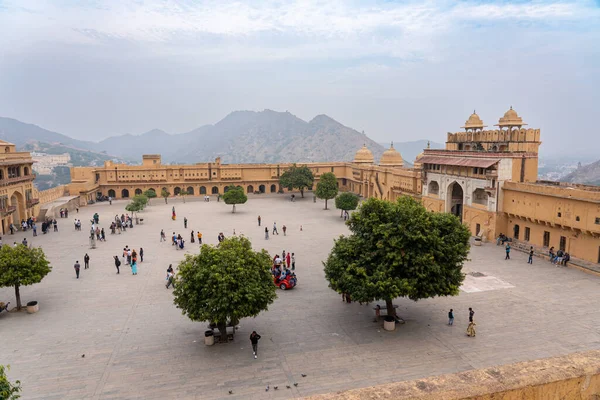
x=575, y=377
x=50, y=195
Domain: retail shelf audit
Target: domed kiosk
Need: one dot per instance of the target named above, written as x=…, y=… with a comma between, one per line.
x=510, y=119
x=391, y=158
x=364, y=156
x=474, y=123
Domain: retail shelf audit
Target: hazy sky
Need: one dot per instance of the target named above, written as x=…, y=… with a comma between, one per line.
x=399, y=70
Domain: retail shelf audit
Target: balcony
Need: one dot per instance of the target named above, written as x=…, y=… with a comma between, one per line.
x=32, y=202
x=8, y=210
x=16, y=179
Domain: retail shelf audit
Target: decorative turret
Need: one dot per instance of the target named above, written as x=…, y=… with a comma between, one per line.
x=391, y=158
x=474, y=122
x=364, y=156
x=510, y=119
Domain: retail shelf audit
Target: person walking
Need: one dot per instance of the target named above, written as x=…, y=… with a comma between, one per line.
x=284, y=228
x=451, y=317
x=507, y=252
x=471, y=314
x=86, y=261
x=471, y=329
x=293, y=262
x=266, y=233
x=185, y=222
x=254, y=338
x=259, y=220
x=117, y=263
x=530, y=260
x=77, y=267
x=163, y=237
x=275, y=228
x=141, y=254
x=170, y=277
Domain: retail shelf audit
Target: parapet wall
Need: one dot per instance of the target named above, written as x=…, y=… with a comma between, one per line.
x=574, y=377
x=515, y=135
x=50, y=195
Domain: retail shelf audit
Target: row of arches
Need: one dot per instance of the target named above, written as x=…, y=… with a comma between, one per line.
x=203, y=190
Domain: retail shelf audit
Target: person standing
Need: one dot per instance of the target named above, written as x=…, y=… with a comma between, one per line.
x=254, y=338
x=259, y=220
x=266, y=233
x=77, y=267
x=34, y=226
x=55, y=225
x=129, y=254
x=133, y=262
x=451, y=317
x=471, y=314
x=192, y=238
x=288, y=259
x=185, y=222
x=507, y=252
x=199, y=238
x=170, y=276
x=141, y=254
x=284, y=228
x=530, y=260
x=471, y=329
x=275, y=228
x=293, y=262
x=86, y=261
x=117, y=263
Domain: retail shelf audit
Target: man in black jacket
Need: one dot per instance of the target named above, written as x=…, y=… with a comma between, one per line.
x=254, y=338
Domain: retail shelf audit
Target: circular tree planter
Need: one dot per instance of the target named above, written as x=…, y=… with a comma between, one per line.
x=33, y=307
x=477, y=241
x=389, y=324
x=209, y=338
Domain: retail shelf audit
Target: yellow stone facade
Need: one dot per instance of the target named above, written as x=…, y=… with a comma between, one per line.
x=18, y=197
x=488, y=178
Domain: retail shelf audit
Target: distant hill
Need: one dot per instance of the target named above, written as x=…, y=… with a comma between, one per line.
x=250, y=137
x=410, y=150
x=587, y=174
x=19, y=133
x=79, y=157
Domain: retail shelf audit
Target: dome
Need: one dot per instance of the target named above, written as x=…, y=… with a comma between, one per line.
x=391, y=158
x=474, y=122
x=364, y=156
x=511, y=118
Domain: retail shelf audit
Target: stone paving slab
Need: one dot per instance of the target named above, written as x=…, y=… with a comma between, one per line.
x=137, y=345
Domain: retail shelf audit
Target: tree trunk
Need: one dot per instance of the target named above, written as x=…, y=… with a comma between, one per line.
x=183, y=199
x=341, y=213
x=166, y=201
x=302, y=192
x=18, y=297
x=391, y=311
x=326, y=204
x=222, y=326
x=233, y=209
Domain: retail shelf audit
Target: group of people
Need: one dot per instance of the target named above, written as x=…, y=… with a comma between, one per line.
x=64, y=212
x=471, y=328
x=284, y=265
x=275, y=231
x=559, y=258
x=130, y=257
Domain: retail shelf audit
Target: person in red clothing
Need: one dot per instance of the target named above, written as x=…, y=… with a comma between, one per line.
x=288, y=259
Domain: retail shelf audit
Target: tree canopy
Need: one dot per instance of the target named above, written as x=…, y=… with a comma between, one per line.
x=297, y=178
x=225, y=283
x=165, y=193
x=398, y=250
x=327, y=188
x=22, y=266
x=8, y=390
x=150, y=194
x=346, y=201
x=235, y=195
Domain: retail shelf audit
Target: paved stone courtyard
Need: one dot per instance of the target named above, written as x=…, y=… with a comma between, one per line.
x=137, y=345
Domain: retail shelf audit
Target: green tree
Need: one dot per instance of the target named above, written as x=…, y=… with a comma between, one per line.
x=141, y=200
x=235, y=195
x=8, y=391
x=297, y=178
x=135, y=206
x=22, y=266
x=165, y=193
x=225, y=283
x=327, y=188
x=150, y=194
x=183, y=193
x=346, y=201
x=398, y=250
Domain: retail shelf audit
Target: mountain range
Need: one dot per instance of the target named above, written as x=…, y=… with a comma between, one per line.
x=588, y=174
x=241, y=137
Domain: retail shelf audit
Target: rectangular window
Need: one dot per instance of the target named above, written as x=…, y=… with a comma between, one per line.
x=331, y=169
x=477, y=229
x=563, y=243
x=527, y=234
x=475, y=170
x=597, y=221
x=546, y=239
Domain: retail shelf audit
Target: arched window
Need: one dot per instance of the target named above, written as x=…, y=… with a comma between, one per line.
x=273, y=189
x=177, y=191
x=516, y=230
x=202, y=189
x=215, y=190
x=250, y=189
x=226, y=189
x=25, y=171
x=190, y=190
x=111, y=193
x=125, y=193
x=433, y=188
x=480, y=197
x=152, y=189
x=262, y=188
x=138, y=192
